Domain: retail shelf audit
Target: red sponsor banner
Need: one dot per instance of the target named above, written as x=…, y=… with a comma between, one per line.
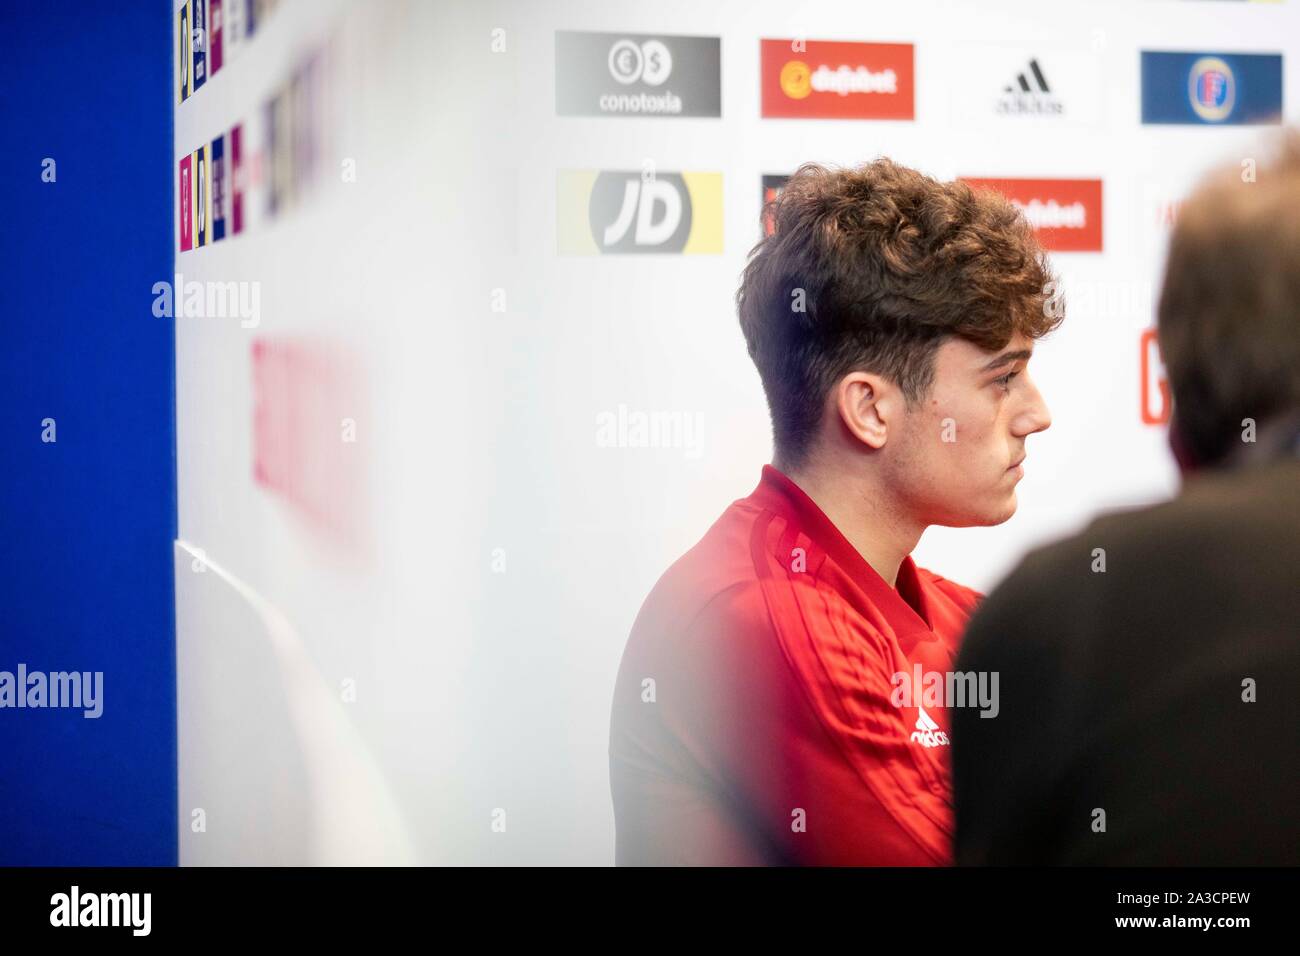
x=825, y=79
x=1167, y=213
x=1156, y=403
x=183, y=213
x=772, y=186
x=309, y=428
x=1065, y=213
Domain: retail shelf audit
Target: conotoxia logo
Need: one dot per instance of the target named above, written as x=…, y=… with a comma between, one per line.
x=837, y=80
x=634, y=74
x=1065, y=213
x=630, y=212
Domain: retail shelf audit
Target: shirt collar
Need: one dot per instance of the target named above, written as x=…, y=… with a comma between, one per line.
x=778, y=493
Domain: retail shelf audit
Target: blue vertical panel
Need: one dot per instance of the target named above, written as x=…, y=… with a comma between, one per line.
x=87, y=521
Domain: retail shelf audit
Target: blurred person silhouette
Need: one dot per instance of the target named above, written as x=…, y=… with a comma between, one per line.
x=1150, y=665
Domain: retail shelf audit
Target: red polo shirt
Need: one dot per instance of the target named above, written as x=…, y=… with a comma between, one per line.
x=752, y=720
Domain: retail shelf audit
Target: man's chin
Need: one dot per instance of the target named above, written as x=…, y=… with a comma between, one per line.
x=984, y=518
x=1005, y=511
x=1003, y=516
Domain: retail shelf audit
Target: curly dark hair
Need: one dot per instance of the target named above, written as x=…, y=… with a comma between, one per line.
x=870, y=269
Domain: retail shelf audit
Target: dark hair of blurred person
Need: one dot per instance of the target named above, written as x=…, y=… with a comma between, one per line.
x=1150, y=665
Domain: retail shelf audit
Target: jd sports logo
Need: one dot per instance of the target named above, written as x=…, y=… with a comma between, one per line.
x=1030, y=94
x=633, y=212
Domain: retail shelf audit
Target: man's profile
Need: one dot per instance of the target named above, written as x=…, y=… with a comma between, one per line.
x=891, y=318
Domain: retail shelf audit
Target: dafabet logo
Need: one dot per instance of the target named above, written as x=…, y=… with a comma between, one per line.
x=805, y=79
x=1065, y=213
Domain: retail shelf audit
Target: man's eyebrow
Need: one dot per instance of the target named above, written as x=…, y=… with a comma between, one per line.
x=1006, y=358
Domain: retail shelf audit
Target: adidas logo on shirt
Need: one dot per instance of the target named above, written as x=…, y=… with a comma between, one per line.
x=927, y=732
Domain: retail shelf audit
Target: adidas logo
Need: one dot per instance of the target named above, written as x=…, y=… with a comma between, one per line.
x=1039, y=79
x=927, y=732
x=1030, y=94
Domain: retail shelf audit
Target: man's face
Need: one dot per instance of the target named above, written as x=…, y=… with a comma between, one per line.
x=958, y=452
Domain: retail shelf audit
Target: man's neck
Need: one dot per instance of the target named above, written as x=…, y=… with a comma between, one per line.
x=865, y=515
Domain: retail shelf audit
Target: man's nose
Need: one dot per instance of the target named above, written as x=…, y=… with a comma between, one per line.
x=1036, y=417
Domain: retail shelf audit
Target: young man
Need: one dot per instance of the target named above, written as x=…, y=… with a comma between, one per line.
x=891, y=318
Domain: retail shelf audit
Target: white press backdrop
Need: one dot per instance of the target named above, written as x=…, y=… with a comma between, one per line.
x=434, y=686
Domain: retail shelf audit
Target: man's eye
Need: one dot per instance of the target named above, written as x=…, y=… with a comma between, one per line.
x=1005, y=380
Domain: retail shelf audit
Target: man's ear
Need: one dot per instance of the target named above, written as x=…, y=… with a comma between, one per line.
x=867, y=404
